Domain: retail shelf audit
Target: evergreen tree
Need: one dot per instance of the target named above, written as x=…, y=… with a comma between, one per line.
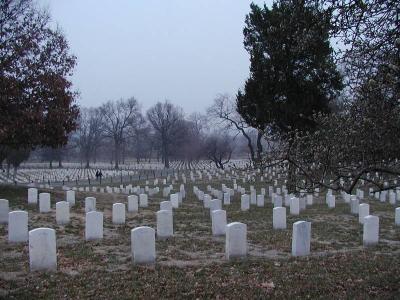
x=292, y=72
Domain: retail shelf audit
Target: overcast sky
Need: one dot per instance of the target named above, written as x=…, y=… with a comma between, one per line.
x=186, y=51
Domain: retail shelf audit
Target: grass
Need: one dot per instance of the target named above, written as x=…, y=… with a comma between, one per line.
x=192, y=263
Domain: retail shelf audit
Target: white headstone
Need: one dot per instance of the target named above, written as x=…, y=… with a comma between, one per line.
x=133, y=203
x=94, y=225
x=301, y=238
x=236, y=240
x=4, y=210
x=363, y=211
x=32, y=195
x=174, y=198
x=218, y=222
x=71, y=197
x=371, y=230
x=62, y=212
x=143, y=242
x=143, y=200
x=227, y=198
x=279, y=218
x=354, y=203
x=245, y=202
x=44, y=202
x=215, y=204
x=260, y=200
x=294, y=206
x=165, y=224
x=42, y=249
x=17, y=226
x=118, y=213
x=397, y=216
x=90, y=204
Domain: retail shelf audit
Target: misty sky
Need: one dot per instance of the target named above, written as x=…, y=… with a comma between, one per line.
x=186, y=51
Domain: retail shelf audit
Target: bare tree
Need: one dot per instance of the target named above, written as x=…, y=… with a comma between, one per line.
x=223, y=111
x=89, y=133
x=167, y=120
x=219, y=148
x=118, y=117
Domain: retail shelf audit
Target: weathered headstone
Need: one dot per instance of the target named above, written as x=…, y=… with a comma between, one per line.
x=42, y=249
x=143, y=200
x=32, y=195
x=301, y=238
x=71, y=197
x=143, y=245
x=294, y=206
x=279, y=218
x=17, y=226
x=133, y=203
x=218, y=222
x=44, y=202
x=244, y=202
x=165, y=224
x=118, y=213
x=62, y=212
x=94, y=225
x=363, y=211
x=90, y=204
x=236, y=240
x=4, y=210
x=371, y=230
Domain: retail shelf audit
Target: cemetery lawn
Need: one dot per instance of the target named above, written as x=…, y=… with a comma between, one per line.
x=192, y=263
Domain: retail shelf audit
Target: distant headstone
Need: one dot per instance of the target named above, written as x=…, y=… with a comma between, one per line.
x=71, y=197
x=133, y=203
x=32, y=195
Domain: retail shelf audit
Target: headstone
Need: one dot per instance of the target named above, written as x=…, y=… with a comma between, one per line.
x=94, y=225
x=244, y=202
x=253, y=197
x=133, y=203
x=206, y=200
x=278, y=201
x=17, y=226
x=71, y=198
x=371, y=230
x=4, y=210
x=279, y=218
x=236, y=240
x=397, y=216
x=215, y=204
x=165, y=224
x=118, y=213
x=331, y=201
x=44, y=202
x=363, y=211
x=218, y=222
x=62, y=212
x=32, y=195
x=143, y=200
x=143, y=245
x=42, y=249
x=90, y=204
x=294, y=206
x=260, y=200
x=354, y=203
x=309, y=199
x=301, y=238
x=174, y=198
x=227, y=198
